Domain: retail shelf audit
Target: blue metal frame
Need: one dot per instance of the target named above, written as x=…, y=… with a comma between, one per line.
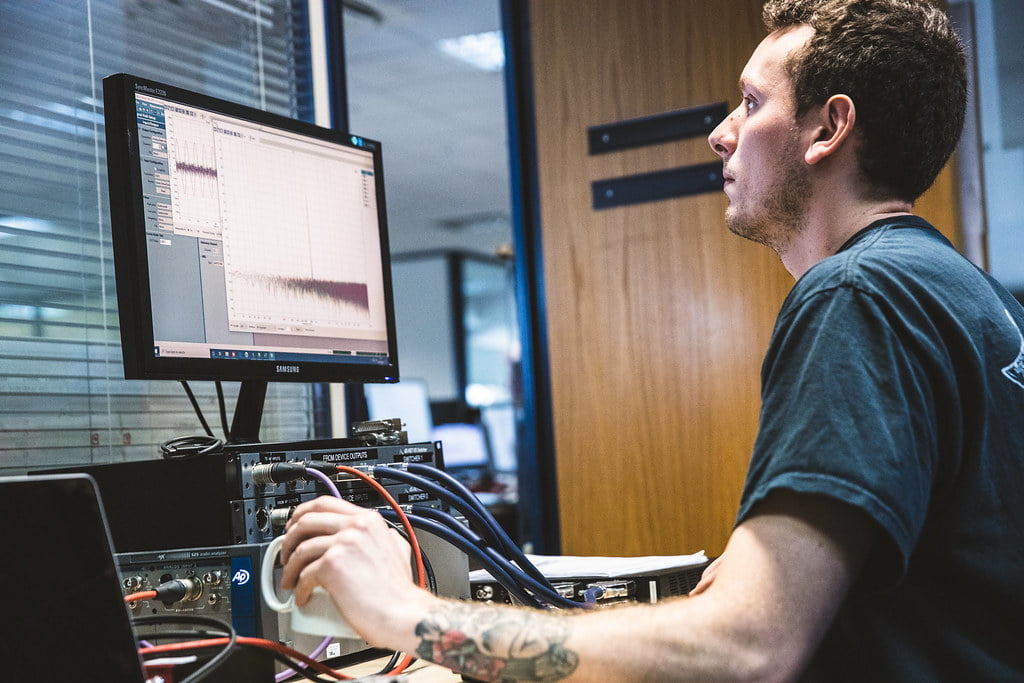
x=538, y=490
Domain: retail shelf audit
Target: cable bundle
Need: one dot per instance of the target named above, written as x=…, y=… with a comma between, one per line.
x=492, y=547
x=214, y=633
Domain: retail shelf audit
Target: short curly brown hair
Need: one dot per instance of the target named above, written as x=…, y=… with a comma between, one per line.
x=902, y=64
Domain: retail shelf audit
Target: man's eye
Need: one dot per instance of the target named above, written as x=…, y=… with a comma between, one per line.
x=749, y=104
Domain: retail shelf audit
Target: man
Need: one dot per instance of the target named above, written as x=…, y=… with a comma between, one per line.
x=881, y=533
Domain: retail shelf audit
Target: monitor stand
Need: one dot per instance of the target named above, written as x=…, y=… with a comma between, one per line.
x=245, y=424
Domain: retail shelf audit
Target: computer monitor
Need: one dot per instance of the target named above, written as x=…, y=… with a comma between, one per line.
x=247, y=246
x=465, y=445
x=408, y=400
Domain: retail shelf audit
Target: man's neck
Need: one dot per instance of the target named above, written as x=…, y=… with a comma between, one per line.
x=826, y=229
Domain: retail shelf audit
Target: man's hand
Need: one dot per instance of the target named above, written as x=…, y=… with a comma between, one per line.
x=360, y=560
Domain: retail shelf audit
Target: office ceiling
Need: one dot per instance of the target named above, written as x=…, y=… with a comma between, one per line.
x=441, y=121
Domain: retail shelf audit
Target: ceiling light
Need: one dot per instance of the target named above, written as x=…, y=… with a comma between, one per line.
x=485, y=51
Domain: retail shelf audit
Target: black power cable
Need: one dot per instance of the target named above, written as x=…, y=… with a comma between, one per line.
x=217, y=625
x=184, y=447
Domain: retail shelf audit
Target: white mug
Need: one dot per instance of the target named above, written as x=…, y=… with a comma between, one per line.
x=318, y=617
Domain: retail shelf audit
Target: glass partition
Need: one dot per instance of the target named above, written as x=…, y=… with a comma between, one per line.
x=64, y=398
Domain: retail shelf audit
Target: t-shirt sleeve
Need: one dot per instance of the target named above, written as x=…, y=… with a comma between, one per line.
x=845, y=413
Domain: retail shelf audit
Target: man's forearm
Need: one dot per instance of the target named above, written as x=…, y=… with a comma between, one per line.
x=497, y=643
x=505, y=643
x=670, y=642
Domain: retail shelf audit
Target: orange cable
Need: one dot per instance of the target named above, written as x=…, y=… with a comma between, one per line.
x=141, y=595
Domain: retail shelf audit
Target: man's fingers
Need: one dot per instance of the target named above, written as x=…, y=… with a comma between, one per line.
x=321, y=516
x=322, y=504
x=305, y=552
x=707, y=578
x=316, y=572
x=317, y=532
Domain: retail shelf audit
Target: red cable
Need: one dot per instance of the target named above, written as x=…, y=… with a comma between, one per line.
x=401, y=666
x=246, y=640
x=421, y=572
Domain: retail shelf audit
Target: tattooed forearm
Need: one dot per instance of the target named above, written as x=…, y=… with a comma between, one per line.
x=497, y=644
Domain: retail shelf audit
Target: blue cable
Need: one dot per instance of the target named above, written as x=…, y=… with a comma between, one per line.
x=466, y=546
x=540, y=588
x=457, y=487
x=520, y=585
x=501, y=539
x=489, y=556
x=450, y=521
x=484, y=521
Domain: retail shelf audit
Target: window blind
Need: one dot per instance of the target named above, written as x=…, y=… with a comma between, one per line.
x=63, y=399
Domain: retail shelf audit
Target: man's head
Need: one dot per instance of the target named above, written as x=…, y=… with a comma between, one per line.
x=762, y=147
x=901, y=64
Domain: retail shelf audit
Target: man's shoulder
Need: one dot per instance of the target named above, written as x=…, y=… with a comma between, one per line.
x=903, y=259
x=886, y=253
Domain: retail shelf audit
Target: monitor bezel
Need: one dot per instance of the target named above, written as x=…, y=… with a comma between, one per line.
x=131, y=265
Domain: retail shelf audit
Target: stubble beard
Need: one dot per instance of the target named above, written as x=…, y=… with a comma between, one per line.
x=782, y=212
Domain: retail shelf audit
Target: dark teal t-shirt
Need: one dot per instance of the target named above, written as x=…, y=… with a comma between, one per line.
x=895, y=382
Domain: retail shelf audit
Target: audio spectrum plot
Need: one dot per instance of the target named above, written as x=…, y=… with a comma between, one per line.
x=258, y=300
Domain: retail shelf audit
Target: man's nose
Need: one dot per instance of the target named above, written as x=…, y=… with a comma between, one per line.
x=722, y=138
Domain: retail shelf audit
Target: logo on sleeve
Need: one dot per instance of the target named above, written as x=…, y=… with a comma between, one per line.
x=1015, y=370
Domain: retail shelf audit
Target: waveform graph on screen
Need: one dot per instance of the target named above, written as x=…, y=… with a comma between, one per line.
x=294, y=251
x=194, y=176
x=354, y=294
x=281, y=300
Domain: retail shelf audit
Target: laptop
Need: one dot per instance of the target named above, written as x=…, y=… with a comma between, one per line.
x=64, y=615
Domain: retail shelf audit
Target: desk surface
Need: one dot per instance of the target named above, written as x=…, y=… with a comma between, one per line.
x=419, y=672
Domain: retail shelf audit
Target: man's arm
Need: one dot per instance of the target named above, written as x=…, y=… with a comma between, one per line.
x=774, y=592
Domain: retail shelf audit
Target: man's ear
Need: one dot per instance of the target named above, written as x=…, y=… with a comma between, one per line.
x=835, y=122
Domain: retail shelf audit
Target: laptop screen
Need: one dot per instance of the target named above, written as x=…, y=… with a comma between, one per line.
x=65, y=616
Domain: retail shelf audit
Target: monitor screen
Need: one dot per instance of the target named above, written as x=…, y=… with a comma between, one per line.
x=407, y=400
x=247, y=246
x=465, y=444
